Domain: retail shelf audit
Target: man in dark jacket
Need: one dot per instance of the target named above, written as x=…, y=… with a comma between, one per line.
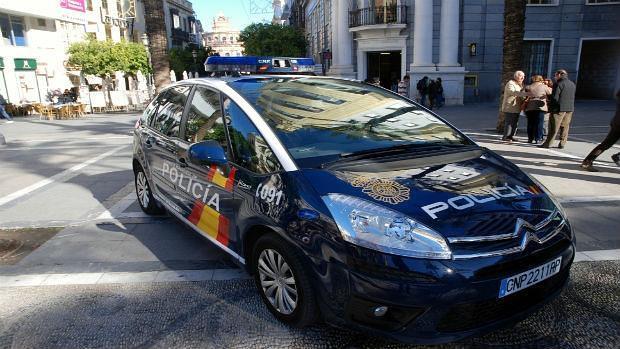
x=561, y=107
x=608, y=142
x=422, y=87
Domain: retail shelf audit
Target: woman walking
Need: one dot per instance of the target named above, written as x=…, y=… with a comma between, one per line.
x=608, y=142
x=511, y=104
x=536, y=108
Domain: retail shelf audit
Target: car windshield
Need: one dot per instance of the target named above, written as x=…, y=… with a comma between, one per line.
x=322, y=119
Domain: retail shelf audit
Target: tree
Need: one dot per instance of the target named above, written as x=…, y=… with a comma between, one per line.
x=514, y=29
x=261, y=39
x=158, y=42
x=182, y=59
x=104, y=58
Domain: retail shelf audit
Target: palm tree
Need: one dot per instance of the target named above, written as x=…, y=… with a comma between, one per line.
x=158, y=42
x=514, y=30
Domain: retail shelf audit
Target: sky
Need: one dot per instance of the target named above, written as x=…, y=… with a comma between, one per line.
x=240, y=12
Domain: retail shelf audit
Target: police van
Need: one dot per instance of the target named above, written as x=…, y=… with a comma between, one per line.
x=353, y=205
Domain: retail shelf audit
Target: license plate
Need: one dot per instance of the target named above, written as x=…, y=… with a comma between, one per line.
x=528, y=278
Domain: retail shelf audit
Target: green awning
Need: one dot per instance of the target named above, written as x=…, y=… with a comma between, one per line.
x=25, y=64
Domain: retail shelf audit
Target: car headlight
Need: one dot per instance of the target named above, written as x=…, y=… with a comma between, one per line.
x=372, y=226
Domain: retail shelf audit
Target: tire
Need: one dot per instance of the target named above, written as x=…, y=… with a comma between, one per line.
x=269, y=252
x=146, y=200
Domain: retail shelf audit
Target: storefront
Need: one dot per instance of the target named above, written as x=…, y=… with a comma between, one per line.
x=3, y=88
x=26, y=78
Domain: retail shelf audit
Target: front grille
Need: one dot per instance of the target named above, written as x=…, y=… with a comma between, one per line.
x=503, y=242
x=468, y=316
x=504, y=222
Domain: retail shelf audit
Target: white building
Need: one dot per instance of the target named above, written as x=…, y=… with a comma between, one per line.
x=223, y=38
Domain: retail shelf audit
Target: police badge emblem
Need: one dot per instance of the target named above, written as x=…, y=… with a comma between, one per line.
x=382, y=189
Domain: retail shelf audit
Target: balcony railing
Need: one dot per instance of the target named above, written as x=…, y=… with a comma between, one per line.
x=180, y=34
x=378, y=15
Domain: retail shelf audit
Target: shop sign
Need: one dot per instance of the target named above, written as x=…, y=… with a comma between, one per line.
x=25, y=64
x=73, y=11
x=1, y=63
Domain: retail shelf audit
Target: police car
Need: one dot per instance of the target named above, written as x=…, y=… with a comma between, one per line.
x=353, y=205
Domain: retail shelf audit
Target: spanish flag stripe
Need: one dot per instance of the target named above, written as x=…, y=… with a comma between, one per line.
x=194, y=217
x=211, y=173
x=219, y=180
x=222, y=230
x=209, y=221
x=231, y=179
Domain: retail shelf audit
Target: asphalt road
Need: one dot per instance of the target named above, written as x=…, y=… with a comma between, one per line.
x=229, y=314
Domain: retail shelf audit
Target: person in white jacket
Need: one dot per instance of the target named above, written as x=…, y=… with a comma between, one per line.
x=511, y=104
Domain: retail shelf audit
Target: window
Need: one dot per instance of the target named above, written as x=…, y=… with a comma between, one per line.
x=170, y=110
x=535, y=58
x=471, y=81
x=12, y=28
x=149, y=112
x=231, y=39
x=542, y=2
x=176, y=20
x=204, y=120
x=208, y=38
x=249, y=147
x=41, y=22
x=223, y=38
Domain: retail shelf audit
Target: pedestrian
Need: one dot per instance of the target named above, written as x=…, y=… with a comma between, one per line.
x=511, y=104
x=3, y=113
x=432, y=94
x=403, y=86
x=562, y=106
x=536, y=108
x=422, y=87
x=439, y=95
x=549, y=83
x=611, y=138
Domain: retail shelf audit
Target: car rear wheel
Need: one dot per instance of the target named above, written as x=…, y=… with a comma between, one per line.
x=147, y=202
x=283, y=282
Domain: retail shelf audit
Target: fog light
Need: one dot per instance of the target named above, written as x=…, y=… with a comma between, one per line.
x=380, y=311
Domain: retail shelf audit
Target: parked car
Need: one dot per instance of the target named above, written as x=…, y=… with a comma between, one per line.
x=351, y=204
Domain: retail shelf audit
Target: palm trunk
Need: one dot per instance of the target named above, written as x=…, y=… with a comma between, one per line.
x=514, y=30
x=158, y=42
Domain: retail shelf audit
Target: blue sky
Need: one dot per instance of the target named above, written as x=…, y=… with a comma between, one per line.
x=240, y=12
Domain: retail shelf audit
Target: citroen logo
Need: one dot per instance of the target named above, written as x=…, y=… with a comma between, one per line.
x=529, y=232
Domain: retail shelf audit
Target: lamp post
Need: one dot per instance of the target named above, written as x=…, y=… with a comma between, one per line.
x=145, y=42
x=195, y=55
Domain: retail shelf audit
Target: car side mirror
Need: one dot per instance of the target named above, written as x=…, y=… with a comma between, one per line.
x=207, y=153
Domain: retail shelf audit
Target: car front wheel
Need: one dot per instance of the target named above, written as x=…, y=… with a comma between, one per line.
x=283, y=283
x=147, y=202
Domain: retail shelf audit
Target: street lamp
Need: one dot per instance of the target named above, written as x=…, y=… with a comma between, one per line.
x=195, y=55
x=145, y=42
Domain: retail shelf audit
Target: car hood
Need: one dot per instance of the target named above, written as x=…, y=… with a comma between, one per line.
x=460, y=193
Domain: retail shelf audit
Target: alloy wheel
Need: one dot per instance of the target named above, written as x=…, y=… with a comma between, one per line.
x=277, y=281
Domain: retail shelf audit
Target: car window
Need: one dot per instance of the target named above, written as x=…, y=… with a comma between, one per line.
x=149, y=112
x=170, y=111
x=204, y=118
x=249, y=147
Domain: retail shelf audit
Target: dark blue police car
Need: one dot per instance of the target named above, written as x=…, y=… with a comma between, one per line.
x=351, y=204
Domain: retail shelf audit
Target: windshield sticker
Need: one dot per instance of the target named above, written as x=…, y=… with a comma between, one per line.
x=382, y=189
x=482, y=196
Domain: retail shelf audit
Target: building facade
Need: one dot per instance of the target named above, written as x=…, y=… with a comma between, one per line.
x=461, y=42
x=37, y=33
x=223, y=38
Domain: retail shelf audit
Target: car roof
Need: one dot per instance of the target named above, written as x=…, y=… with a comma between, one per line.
x=229, y=79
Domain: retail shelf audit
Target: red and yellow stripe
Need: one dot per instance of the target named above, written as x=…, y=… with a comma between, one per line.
x=209, y=221
x=220, y=180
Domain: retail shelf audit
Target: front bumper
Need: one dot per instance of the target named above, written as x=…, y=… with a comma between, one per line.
x=432, y=302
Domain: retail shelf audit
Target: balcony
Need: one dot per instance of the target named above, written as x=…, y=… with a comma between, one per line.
x=381, y=15
x=180, y=34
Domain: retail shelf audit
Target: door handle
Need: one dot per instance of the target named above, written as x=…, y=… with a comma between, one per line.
x=182, y=162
